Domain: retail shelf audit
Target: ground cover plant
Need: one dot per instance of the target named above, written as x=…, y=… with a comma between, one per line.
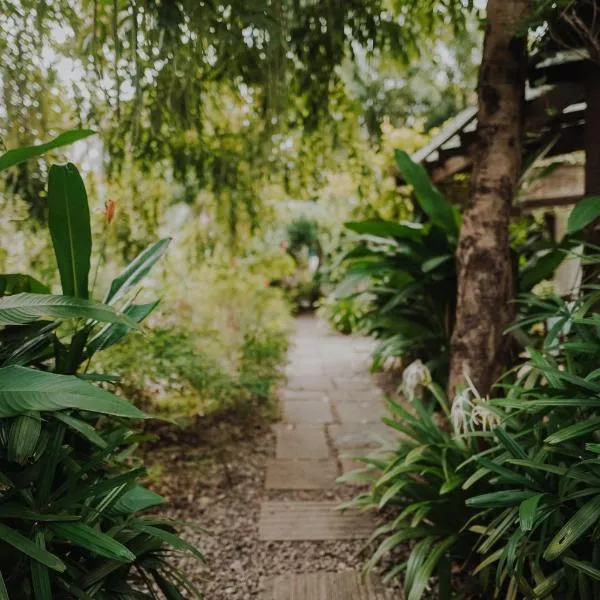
x=74, y=518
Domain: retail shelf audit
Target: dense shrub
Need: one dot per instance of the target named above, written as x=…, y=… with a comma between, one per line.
x=220, y=354
x=73, y=515
x=400, y=278
x=506, y=489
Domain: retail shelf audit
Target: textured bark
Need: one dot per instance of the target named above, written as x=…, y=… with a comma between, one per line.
x=485, y=281
x=592, y=161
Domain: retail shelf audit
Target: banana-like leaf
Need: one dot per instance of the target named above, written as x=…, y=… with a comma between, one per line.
x=136, y=270
x=586, y=517
x=26, y=308
x=23, y=390
x=69, y=224
x=19, y=155
x=437, y=208
x=26, y=546
x=92, y=539
x=114, y=333
x=16, y=283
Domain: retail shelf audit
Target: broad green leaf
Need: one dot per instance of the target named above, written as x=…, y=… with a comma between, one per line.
x=576, y=526
x=585, y=212
x=39, y=573
x=26, y=308
x=114, y=333
x=93, y=540
x=69, y=224
x=380, y=228
x=528, y=511
x=439, y=210
x=136, y=500
x=23, y=390
x=81, y=427
x=15, y=283
x=136, y=270
x=26, y=546
x=19, y=155
x=23, y=437
x=542, y=266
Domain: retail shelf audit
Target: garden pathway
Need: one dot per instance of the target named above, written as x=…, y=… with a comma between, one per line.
x=331, y=410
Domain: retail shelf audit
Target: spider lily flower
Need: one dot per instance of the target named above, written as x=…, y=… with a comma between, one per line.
x=461, y=412
x=415, y=377
x=483, y=417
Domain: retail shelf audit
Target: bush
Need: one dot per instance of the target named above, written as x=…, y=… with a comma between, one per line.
x=220, y=353
x=405, y=274
x=73, y=515
x=514, y=479
x=421, y=490
x=543, y=536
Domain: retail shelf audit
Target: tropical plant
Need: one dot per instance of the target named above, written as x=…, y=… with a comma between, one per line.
x=542, y=534
x=73, y=514
x=420, y=489
x=406, y=272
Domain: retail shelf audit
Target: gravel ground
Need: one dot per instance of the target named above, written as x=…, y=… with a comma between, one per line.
x=221, y=490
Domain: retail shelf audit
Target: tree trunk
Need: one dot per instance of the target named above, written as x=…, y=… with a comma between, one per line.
x=592, y=163
x=485, y=280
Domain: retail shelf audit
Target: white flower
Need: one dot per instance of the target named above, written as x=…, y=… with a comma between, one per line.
x=415, y=377
x=460, y=413
x=483, y=417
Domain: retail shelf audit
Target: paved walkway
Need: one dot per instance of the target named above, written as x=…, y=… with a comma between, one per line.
x=331, y=410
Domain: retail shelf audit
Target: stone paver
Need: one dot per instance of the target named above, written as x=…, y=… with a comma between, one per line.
x=316, y=383
x=286, y=474
x=353, y=384
x=307, y=411
x=349, y=396
x=284, y=521
x=301, y=441
x=304, y=395
x=361, y=412
x=347, y=585
x=358, y=435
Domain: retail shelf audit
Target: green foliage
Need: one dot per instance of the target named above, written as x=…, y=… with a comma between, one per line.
x=548, y=540
x=73, y=516
x=221, y=354
x=421, y=489
x=404, y=272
